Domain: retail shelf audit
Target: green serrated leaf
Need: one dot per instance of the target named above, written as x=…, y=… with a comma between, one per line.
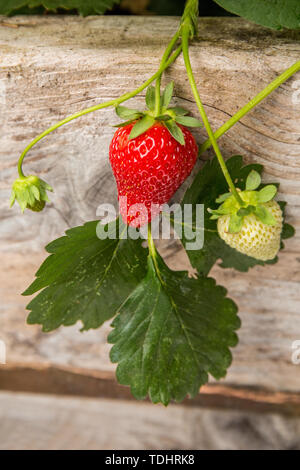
x=84, y=7
x=167, y=95
x=188, y=121
x=206, y=187
x=127, y=113
x=85, y=278
x=264, y=215
x=150, y=98
x=275, y=14
x=141, y=126
x=253, y=180
x=235, y=223
x=175, y=131
x=267, y=193
x=166, y=345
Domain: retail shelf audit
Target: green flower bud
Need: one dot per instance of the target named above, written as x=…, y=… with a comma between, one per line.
x=30, y=192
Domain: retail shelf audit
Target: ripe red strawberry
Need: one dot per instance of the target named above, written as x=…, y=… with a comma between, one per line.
x=149, y=169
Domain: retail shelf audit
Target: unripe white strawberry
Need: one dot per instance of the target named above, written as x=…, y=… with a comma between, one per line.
x=255, y=238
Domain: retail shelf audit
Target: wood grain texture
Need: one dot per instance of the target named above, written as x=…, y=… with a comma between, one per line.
x=51, y=68
x=31, y=421
x=71, y=381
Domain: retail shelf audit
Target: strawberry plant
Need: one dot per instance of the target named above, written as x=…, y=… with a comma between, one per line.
x=170, y=331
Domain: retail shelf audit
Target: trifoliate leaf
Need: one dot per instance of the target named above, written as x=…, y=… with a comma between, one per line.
x=167, y=95
x=86, y=278
x=267, y=193
x=171, y=332
x=175, y=131
x=275, y=14
x=253, y=180
x=84, y=7
x=150, y=98
x=188, y=121
x=206, y=187
x=141, y=126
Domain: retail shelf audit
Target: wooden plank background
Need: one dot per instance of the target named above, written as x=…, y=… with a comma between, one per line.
x=30, y=422
x=52, y=67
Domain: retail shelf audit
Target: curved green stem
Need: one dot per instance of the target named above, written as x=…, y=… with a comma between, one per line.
x=185, y=50
x=157, y=96
x=251, y=104
x=97, y=107
x=153, y=254
x=151, y=245
x=165, y=57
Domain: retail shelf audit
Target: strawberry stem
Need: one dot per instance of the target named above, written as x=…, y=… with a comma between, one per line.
x=251, y=104
x=164, y=59
x=185, y=49
x=153, y=254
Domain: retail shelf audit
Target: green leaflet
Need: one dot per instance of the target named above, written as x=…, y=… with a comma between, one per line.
x=172, y=332
x=267, y=193
x=253, y=180
x=127, y=113
x=142, y=126
x=264, y=215
x=84, y=7
x=175, y=131
x=85, y=278
x=235, y=223
x=150, y=98
x=188, y=121
x=167, y=95
x=208, y=185
x=275, y=14
x=179, y=110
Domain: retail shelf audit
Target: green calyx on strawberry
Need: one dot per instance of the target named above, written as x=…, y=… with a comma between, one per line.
x=151, y=156
x=30, y=192
x=254, y=228
x=170, y=117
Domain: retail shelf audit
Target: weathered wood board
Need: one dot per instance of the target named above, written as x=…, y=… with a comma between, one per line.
x=50, y=68
x=35, y=422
